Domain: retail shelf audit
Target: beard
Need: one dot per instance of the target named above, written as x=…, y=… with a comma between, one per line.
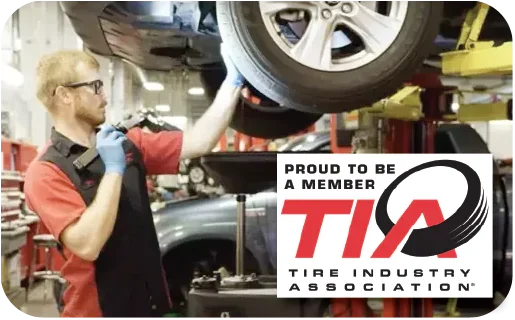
x=94, y=116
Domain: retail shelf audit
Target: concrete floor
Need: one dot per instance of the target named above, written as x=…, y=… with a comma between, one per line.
x=37, y=306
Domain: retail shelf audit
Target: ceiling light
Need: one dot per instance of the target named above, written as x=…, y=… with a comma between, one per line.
x=196, y=91
x=153, y=86
x=178, y=121
x=163, y=107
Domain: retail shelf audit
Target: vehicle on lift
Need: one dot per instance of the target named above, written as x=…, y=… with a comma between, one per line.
x=198, y=235
x=300, y=58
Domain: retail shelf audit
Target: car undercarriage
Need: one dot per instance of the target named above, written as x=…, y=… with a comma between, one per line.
x=166, y=35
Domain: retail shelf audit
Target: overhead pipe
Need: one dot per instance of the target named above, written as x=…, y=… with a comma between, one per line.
x=149, y=85
x=137, y=70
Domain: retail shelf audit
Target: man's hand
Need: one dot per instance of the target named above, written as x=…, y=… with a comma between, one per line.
x=233, y=77
x=110, y=148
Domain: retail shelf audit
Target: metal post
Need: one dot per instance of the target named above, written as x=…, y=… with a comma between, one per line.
x=380, y=135
x=366, y=138
x=240, y=234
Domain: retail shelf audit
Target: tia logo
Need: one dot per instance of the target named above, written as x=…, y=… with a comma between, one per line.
x=440, y=238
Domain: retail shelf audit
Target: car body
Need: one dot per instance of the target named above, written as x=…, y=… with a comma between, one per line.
x=163, y=35
x=273, y=44
x=208, y=220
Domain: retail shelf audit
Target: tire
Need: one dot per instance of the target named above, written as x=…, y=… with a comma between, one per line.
x=267, y=122
x=299, y=87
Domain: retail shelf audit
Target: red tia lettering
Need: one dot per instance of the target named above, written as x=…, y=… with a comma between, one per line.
x=315, y=211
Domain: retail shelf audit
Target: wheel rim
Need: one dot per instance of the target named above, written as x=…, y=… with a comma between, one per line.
x=334, y=36
x=196, y=175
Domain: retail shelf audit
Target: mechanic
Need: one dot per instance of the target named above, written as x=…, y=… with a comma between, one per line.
x=101, y=217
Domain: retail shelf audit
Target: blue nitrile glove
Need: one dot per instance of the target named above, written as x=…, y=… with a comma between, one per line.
x=233, y=77
x=110, y=149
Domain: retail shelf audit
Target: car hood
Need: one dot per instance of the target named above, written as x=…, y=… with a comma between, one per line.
x=192, y=219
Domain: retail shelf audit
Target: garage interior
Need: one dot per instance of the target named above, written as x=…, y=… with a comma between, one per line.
x=446, y=89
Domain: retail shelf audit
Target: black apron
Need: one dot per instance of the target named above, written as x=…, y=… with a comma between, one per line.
x=128, y=272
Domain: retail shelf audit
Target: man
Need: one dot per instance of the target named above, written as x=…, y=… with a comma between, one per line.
x=101, y=216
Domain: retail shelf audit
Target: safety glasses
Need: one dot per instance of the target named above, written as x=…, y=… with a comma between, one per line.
x=96, y=84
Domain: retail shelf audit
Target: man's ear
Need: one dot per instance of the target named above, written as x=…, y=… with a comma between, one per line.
x=63, y=94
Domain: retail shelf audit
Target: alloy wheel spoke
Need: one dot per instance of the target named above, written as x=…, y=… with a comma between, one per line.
x=314, y=48
x=375, y=29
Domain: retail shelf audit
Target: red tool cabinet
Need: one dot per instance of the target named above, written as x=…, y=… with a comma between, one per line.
x=17, y=157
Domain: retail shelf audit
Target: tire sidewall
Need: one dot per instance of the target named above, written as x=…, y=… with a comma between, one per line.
x=271, y=125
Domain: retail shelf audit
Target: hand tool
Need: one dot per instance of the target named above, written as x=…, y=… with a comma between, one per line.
x=143, y=118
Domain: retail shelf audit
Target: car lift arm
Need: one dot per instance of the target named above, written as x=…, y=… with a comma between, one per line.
x=473, y=57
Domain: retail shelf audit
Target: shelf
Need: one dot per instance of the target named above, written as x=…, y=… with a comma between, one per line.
x=28, y=219
x=11, y=176
x=13, y=240
x=22, y=222
x=10, y=204
x=13, y=194
x=10, y=172
x=4, y=190
x=5, y=177
x=11, y=213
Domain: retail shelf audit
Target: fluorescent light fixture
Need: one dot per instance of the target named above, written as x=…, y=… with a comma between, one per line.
x=12, y=76
x=196, y=91
x=178, y=121
x=163, y=107
x=153, y=86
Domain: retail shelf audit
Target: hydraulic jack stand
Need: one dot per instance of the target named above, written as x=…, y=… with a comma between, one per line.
x=240, y=279
x=243, y=295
